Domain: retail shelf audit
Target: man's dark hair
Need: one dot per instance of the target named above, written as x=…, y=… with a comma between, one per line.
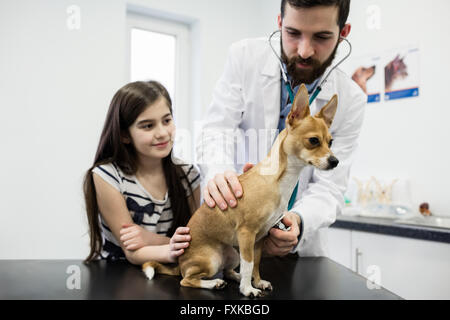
x=343, y=5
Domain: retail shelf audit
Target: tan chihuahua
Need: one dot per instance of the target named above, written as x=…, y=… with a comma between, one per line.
x=267, y=189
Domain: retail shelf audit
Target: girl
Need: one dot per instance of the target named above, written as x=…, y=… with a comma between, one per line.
x=138, y=197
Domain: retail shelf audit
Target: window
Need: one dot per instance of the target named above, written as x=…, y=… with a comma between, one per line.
x=160, y=50
x=153, y=57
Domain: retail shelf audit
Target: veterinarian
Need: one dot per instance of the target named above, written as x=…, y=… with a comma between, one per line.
x=251, y=96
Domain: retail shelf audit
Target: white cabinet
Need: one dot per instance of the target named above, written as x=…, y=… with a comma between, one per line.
x=410, y=268
x=340, y=246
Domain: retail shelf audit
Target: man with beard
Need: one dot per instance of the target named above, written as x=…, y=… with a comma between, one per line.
x=251, y=101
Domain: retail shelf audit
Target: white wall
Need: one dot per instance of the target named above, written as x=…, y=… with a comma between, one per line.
x=269, y=14
x=56, y=85
x=408, y=138
x=55, y=89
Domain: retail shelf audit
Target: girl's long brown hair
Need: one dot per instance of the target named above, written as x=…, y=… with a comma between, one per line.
x=127, y=104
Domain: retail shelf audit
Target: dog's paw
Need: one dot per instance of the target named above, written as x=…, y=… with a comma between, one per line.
x=251, y=292
x=220, y=284
x=263, y=285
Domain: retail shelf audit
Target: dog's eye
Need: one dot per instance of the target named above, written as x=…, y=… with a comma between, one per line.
x=330, y=143
x=314, y=141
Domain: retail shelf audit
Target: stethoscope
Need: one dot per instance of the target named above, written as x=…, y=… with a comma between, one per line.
x=311, y=98
x=285, y=77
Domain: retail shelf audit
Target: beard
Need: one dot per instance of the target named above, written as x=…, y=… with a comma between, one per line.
x=306, y=76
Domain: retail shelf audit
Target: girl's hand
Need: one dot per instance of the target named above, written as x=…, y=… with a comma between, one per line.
x=178, y=242
x=133, y=237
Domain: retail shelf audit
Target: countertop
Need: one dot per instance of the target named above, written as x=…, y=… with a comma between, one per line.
x=292, y=277
x=390, y=227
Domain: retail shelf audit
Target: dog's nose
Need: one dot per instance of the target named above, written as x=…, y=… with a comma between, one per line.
x=333, y=162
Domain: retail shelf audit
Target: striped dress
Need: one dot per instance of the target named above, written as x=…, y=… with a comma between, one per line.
x=150, y=213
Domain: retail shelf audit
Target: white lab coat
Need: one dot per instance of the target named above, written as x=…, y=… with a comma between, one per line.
x=247, y=100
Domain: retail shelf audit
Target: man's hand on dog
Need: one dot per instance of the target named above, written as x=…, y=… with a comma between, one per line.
x=279, y=242
x=218, y=188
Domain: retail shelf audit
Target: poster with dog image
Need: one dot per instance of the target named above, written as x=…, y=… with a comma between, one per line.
x=401, y=73
x=367, y=73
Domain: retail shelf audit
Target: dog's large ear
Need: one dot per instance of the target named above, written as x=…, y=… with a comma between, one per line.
x=327, y=113
x=300, y=107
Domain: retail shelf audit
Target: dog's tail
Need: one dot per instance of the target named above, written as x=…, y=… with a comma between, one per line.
x=152, y=267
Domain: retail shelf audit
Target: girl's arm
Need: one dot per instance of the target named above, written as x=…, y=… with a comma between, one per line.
x=149, y=253
x=115, y=212
x=134, y=237
x=166, y=253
